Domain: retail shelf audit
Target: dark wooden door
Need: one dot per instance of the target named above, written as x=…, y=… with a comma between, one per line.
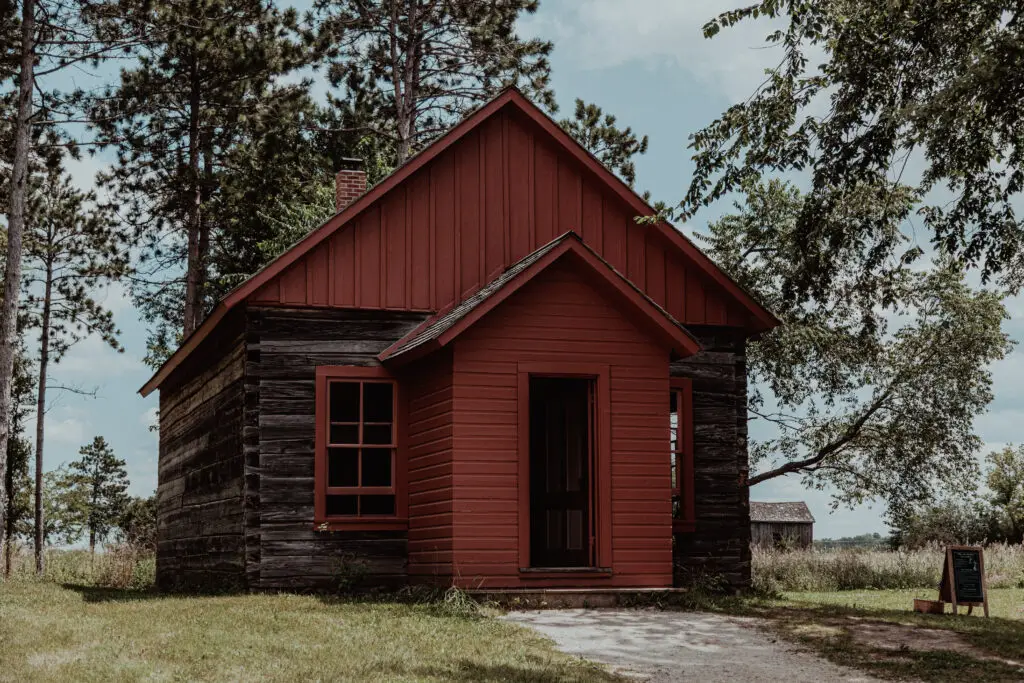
x=560, y=461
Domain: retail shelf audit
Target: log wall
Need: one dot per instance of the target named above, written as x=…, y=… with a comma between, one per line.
x=719, y=548
x=783, y=535
x=200, y=482
x=284, y=347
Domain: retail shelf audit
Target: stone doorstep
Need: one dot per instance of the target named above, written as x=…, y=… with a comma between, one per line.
x=572, y=598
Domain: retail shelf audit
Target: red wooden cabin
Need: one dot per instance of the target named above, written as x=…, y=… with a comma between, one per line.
x=480, y=372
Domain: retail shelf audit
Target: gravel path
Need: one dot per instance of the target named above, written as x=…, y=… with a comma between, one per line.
x=665, y=647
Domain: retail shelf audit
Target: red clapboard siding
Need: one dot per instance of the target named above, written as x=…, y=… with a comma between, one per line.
x=503, y=190
x=430, y=477
x=532, y=326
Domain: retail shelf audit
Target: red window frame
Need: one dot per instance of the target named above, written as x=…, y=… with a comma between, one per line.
x=684, y=517
x=325, y=376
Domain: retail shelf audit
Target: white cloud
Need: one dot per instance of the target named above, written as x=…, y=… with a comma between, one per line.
x=93, y=360
x=68, y=431
x=600, y=34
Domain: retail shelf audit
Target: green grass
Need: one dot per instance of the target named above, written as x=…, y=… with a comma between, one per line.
x=52, y=632
x=877, y=632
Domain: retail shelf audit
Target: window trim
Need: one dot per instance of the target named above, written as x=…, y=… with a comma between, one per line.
x=683, y=387
x=325, y=374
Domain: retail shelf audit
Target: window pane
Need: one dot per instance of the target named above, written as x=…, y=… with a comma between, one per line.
x=377, y=505
x=379, y=402
x=344, y=400
x=342, y=505
x=376, y=467
x=342, y=467
x=677, y=509
x=345, y=434
x=379, y=434
x=673, y=420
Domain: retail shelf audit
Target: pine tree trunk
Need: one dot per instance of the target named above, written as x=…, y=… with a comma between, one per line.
x=9, y=548
x=92, y=542
x=15, y=230
x=194, y=265
x=44, y=361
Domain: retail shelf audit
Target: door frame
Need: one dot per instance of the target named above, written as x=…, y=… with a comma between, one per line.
x=601, y=473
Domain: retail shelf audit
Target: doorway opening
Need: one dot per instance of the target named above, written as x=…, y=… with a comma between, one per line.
x=561, y=472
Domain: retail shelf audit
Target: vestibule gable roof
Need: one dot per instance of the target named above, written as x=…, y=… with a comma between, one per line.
x=761, y=318
x=443, y=328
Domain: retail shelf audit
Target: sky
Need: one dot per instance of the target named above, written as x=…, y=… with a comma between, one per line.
x=646, y=62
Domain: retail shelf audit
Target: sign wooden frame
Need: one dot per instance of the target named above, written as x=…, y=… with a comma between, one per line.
x=947, y=589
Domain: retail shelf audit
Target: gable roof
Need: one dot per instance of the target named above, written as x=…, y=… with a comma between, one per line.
x=763, y=319
x=441, y=329
x=786, y=513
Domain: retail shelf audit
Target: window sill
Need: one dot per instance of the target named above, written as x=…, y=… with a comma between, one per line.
x=683, y=526
x=564, y=572
x=388, y=524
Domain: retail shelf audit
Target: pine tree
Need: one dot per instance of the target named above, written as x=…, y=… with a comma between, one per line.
x=71, y=250
x=208, y=68
x=18, y=514
x=101, y=480
x=48, y=37
x=428, y=63
x=615, y=147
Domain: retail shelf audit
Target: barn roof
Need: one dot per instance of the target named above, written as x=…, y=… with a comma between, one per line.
x=785, y=513
x=442, y=328
x=762, y=318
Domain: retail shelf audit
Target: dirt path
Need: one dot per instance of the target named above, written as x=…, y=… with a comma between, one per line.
x=665, y=647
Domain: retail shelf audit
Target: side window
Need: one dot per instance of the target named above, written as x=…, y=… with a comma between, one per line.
x=681, y=437
x=357, y=463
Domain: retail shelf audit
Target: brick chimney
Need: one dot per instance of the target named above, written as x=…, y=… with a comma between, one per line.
x=350, y=182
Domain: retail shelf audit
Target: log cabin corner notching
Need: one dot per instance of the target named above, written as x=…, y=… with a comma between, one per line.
x=481, y=372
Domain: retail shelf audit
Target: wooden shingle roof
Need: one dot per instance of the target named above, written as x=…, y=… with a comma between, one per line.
x=784, y=513
x=439, y=330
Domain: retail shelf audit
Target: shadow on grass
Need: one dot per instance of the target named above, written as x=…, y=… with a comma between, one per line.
x=104, y=594
x=897, y=644
x=468, y=671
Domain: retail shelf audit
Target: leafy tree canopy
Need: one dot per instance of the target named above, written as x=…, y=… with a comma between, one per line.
x=884, y=410
x=862, y=93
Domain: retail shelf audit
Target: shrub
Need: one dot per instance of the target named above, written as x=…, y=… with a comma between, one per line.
x=121, y=566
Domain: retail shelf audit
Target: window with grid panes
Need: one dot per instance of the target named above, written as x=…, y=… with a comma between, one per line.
x=359, y=458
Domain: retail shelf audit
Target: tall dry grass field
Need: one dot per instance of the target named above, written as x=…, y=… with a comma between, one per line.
x=822, y=571
x=118, y=566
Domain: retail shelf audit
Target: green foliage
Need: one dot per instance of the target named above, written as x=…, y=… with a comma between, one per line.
x=959, y=521
x=65, y=507
x=872, y=405
x=136, y=526
x=204, y=96
x=99, y=483
x=421, y=66
x=861, y=93
x=1005, y=482
x=597, y=132
x=71, y=250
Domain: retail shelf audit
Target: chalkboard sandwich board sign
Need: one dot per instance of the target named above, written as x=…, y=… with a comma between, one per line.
x=963, y=578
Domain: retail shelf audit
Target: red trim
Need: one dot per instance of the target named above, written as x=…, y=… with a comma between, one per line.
x=657, y=320
x=324, y=375
x=603, y=449
x=684, y=456
x=764, y=319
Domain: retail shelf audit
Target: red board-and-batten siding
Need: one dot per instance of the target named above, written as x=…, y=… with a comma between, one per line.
x=464, y=458
x=500, y=192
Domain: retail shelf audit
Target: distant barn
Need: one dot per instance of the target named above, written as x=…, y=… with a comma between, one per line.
x=774, y=525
